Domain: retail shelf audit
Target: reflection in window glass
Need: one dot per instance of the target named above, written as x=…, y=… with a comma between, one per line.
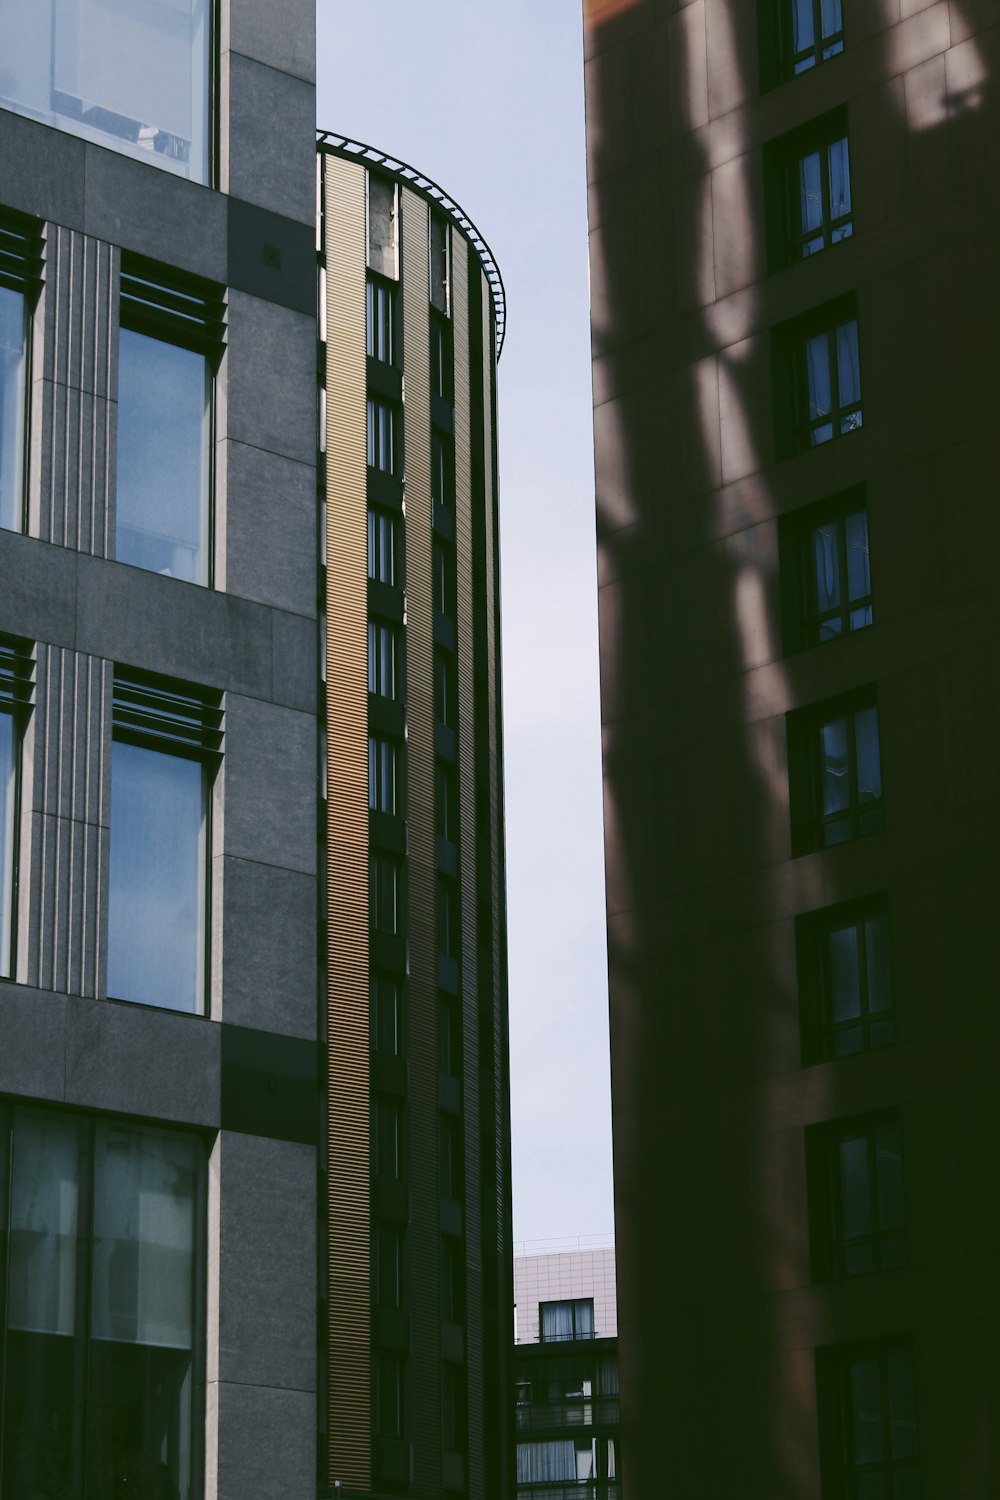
x=8, y=788
x=383, y=547
x=812, y=31
x=383, y=775
x=877, y=1430
x=132, y=77
x=164, y=406
x=821, y=198
x=99, y=1390
x=858, y=984
x=383, y=657
x=380, y=435
x=158, y=892
x=379, y=332
x=13, y=365
x=832, y=374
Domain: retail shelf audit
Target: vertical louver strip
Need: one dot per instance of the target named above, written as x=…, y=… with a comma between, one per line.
x=423, y=1249
x=348, y=1210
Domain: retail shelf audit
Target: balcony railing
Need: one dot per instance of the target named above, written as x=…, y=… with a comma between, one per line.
x=594, y=1411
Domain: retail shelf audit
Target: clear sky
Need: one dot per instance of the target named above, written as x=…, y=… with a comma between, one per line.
x=488, y=101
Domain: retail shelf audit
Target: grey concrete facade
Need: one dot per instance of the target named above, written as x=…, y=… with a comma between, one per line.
x=252, y=637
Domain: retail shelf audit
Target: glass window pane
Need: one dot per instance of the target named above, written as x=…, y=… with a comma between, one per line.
x=877, y=957
x=157, y=895
x=889, y=1160
x=859, y=583
x=826, y=566
x=848, y=369
x=869, y=766
x=840, y=178
x=8, y=785
x=832, y=19
x=134, y=78
x=803, y=28
x=845, y=985
x=164, y=406
x=818, y=376
x=854, y=1186
x=41, y=1449
x=865, y=1409
x=902, y=1403
x=810, y=192
x=142, y=1311
x=835, y=782
x=13, y=357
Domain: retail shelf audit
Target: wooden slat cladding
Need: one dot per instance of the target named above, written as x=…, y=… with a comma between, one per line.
x=423, y=1386
x=464, y=497
x=348, y=1171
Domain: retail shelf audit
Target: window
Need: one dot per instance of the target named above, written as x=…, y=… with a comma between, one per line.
x=167, y=743
x=449, y=918
x=20, y=271
x=835, y=772
x=452, y=1279
x=383, y=893
x=810, y=176
x=453, y=1408
x=560, y=1321
x=387, y=1137
x=380, y=333
x=100, y=1228
x=452, y=1163
x=868, y=1421
x=383, y=775
x=442, y=372
x=446, y=802
x=383, y=659
x=384, y=548
x=817, y=378
x=387, y=1264
x=856, y=1197
x=845, y=980
x=795, y=35
x=443, y=577
x=445, y=690
x=382, y=435
x=386, y=1015
x=569, y=1461
x=826, y=568
x=15, y=701
x=135, y=80
x=171, y=340
x=450, y=1034
x=442, y=470
x=382, y=219
x=440, y=262
x=387, y=1394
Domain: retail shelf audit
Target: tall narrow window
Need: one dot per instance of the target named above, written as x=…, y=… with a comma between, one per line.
x=387, y=1394
x=449, y=918
x=845, y=978
x=385, y=1002
x=796, y=35
x=440, y=262
x=445, y=690
x=826, y=571
x=441, y=357
x=15, y=701
x=809, y=181
x=99, y=1231
x=382, y=435
x=167, y=742
x=137, y=81
x=836, y=772
x=856, y=1197
x=171, y=341
x=383, y=893
x=387, y=1264
x=442, y=470
x=385, y=547
x=382, y=219
x=383, y=775
x=380, y=330
x=817, y=371
x=868, y=1421
x=383, y=659
x=387, y=1132
x=20, y=268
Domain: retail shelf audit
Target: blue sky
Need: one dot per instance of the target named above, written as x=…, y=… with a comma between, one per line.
x=488, y=101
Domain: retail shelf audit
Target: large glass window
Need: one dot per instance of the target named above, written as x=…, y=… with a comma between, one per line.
x=162, y=759
x=836, y=770
x=99, y=1229
x=15, y=699
x=380, y=330
x=811, y=31
x=561, y=1321
x=385, y=547
x=845, y=977
x=868, y=1421
x=383, y=775
x=865, y=1163
x=171, y=339
x=20, y=263
x=382, y=435
x=133, y=77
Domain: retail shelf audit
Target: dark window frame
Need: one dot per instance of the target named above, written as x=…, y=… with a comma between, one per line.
x=779, y=62
x=820, y=1027
x=837, y=1254
x=788, y=242
x=392, y=449
x=797, y=429
x=803, y=620
x=16, y=702
x=380, y=522
x=840, y=1467
x=378, y=286
x=21, y=272
x=575, y=1304
x=810, y=824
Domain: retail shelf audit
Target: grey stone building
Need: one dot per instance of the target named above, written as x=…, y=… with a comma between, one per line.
x=158, y=750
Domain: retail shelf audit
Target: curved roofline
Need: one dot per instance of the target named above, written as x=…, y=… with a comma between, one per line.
x=342, y=145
